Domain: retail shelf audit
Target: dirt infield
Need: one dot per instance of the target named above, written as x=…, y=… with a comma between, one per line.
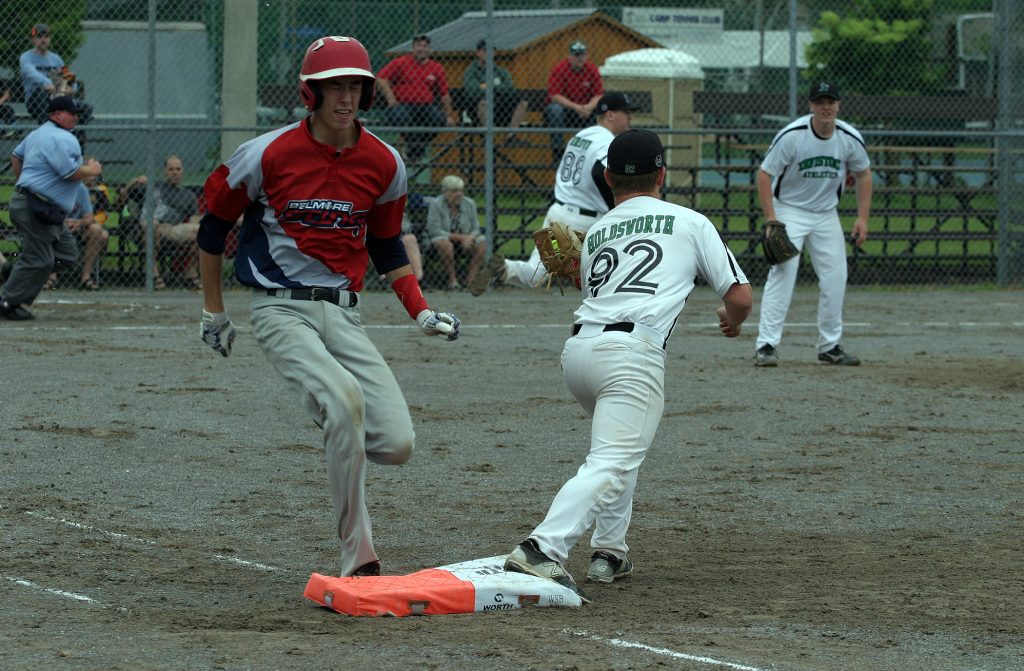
x=162, y=508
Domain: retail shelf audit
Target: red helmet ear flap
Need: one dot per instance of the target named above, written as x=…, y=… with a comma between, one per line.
x=366, y=99
x=309, y=93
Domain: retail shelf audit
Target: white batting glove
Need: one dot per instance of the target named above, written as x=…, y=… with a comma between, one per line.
x=217, y=331
x=443, y=323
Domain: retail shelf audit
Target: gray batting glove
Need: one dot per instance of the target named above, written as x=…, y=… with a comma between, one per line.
x=217, y=331
x=443, y=323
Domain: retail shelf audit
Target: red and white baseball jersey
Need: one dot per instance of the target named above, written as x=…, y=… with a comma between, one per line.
x=307, y=227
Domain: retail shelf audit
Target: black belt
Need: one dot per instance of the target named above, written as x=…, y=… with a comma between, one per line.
x=625, y=327
x=585, y=213
x=336, y=296
x=22, y=190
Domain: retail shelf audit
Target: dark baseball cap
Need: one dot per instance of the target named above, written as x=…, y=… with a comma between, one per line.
x=636, y=152
x=422, y=37
x=823, y=89
x=40, y=29
x=481, y=45
x=578, y=47
x=615, y=100
x=63, y=104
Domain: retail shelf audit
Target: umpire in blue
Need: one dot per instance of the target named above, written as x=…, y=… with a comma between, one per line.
x=48, y=166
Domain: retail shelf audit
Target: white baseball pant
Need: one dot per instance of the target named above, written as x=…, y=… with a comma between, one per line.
x=619, y=380
x=822, y=234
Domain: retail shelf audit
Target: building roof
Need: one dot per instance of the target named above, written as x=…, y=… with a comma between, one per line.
x=510, y=29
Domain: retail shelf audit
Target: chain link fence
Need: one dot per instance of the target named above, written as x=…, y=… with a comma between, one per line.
x=932, y=85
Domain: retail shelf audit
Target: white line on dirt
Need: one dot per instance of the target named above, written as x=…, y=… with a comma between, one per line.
x=49, y=590
x=619, y=643
x=246, y=563
x=693, y=326
x=132, y=539
x=86, y=527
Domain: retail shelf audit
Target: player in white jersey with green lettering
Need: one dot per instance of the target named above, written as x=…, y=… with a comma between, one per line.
x=581, y=192
x=799, y=184
x=638, y=267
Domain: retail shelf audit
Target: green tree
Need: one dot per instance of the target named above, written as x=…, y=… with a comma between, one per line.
x=17, y=18
x=879, y=47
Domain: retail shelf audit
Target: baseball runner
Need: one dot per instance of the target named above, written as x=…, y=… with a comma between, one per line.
x=581, y=193
x=799, y=184
x=638, y=266
x=317, y=198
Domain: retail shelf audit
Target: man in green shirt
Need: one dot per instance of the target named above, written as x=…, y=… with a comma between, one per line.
x=507, y=109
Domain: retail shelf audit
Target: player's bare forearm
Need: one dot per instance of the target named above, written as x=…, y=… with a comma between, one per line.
x=865, y=188
x=210, y=268
x=400, y=271
x=764, y=195
x=737, y=303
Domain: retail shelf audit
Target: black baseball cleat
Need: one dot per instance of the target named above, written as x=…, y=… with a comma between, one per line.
x=838, y=357
x=766, y=356
x=494, y=269
x=367, y=569
x=14, y=312
x=527, y=558
x=606, y=567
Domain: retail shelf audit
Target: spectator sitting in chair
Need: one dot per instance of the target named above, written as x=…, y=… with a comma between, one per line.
x=574, y=87
x=176, y=221
x=413, y=85
x=94, y=236
x=474, y=83
x=44, y=76
x=89, y=229
x=452, y=226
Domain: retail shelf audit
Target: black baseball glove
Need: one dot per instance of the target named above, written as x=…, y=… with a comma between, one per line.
x=777, y=246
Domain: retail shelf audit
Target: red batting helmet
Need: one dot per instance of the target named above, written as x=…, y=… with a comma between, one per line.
x=335, y=56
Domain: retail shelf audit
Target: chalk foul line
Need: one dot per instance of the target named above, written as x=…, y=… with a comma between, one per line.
x=619, y=643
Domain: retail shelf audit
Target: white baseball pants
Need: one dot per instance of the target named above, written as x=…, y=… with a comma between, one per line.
x=822, y=235
x=619, y=379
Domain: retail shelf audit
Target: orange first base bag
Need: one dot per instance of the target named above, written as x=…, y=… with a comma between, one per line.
x=479, y=585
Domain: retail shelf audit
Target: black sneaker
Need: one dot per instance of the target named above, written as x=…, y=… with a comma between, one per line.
x=606, y=567
x=368, y=569
x=838, y=357
x=14, y=312
x=527, y=558
x=766, y=356
x=494, y=269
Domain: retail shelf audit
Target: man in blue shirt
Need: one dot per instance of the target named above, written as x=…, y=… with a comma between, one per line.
x=48, y=165
x=44, y=75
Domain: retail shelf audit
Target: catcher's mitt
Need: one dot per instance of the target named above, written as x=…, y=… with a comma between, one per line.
x=560, y=247
x=777, y=246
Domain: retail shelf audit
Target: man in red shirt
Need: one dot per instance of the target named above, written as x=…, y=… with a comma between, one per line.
x=413, y=85
x=574, y=87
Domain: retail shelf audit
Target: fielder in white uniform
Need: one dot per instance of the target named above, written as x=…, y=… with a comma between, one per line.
x=581, y=192
x=638, y=267
x=799, y=183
